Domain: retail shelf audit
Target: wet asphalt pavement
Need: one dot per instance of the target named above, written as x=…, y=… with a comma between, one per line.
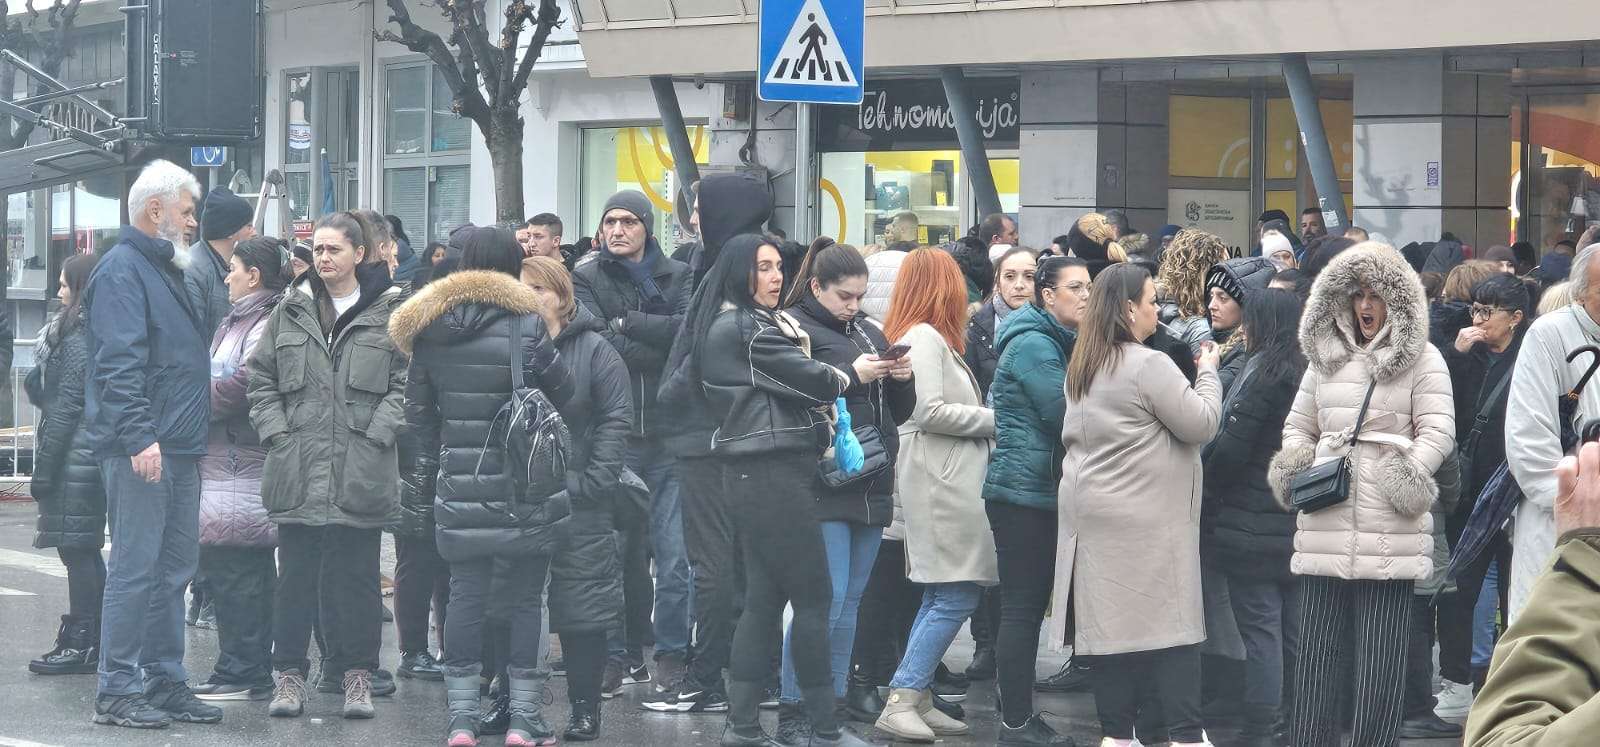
x=37, y=710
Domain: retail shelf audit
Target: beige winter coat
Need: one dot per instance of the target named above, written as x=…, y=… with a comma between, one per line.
x=944, y=454
x=1128, y=547
x=1382, y=532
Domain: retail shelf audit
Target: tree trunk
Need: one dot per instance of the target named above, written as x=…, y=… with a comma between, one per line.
x=505, y=157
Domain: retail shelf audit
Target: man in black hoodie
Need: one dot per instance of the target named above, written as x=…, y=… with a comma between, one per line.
x=642, y=296
x=730, y=204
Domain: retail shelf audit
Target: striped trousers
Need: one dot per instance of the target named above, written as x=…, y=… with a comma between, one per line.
x=1365, y=623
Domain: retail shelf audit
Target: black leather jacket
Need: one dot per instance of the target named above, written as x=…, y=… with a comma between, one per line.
x=765, y=392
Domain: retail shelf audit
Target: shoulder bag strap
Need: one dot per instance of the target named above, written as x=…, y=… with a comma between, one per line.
x=1487, y=404
x=1361, y=417
x=516, y=353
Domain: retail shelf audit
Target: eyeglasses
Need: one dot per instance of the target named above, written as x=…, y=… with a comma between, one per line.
x=1076, y=288
x=1480, y=311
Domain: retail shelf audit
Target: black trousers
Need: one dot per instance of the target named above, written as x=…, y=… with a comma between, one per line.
x=774, y=508
x=585, y=657
x=1269, y=622
x=1025, y=546
x=1367, y=623
x=1121, y=692
x=1419, y=700
x=242, y=582
x=421, y=583
x=883, y=623
x=86, y=581
x=329, y=574
x=985, y=622
x=470, y=594
x=712, y=542
x=1456, y=608
x=638, y=588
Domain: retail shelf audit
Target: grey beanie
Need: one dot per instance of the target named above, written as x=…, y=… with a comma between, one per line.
x=633, y=201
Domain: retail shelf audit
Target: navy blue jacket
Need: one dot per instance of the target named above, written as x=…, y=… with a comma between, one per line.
x=149, y=362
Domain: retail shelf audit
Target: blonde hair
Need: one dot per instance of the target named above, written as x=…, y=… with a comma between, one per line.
x=1184, y=265
x=551, y=274
x=1555, y=298
x=1459, y=283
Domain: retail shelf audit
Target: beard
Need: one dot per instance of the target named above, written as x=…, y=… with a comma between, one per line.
x=180, y=251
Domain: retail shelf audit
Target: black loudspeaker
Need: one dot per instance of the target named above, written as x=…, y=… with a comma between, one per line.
x=194, y=70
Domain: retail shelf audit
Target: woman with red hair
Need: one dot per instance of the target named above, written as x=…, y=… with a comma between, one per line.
x=944, y=454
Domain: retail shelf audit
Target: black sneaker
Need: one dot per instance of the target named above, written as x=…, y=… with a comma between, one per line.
x=1428, y=726
x=180, y=704
x=695, y=700
x=1033, y=732
x=420, y=666
x=231, y=691
x=557, y=666
x=611, y=681
x=952, y=693
x=333, y=682
x=132, y=711
x=638, y=675
x=1072, y=678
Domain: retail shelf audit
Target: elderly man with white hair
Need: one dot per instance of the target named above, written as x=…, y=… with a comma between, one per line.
x=148, y=406
x=1533, y=429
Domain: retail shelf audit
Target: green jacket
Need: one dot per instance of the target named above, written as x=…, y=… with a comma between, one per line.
x=1029, y=394
x=1541, y=688
x=329, y=413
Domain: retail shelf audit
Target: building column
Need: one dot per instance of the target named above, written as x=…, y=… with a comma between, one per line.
x=774, y=147
x=1087, y=143
x=1432, y=152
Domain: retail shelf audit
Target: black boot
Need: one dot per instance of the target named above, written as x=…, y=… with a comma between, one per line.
x=953, y=710
x=497, y=718
x=77, y=648
x=584, y=724
x=793, y=728
x=983, y=664
x=862, y=702
x=744, y=716
x=1032, y=732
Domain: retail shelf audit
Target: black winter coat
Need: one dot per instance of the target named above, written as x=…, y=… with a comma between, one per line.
x=585, y=570
x=66, y=476
x=458, y=333
x=644, y=328
x=1249, y=533
x=1472, y=378
x=981, y=357
x=767, y=395
x=884, y=403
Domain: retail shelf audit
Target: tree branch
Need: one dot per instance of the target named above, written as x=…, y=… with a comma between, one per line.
x=549, y=19
x=468, y=99
x=54, y=46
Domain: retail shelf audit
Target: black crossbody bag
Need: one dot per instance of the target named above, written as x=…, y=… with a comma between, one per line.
x=1328, y=484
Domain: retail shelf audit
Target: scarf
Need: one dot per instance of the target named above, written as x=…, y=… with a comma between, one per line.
x=1001, y=311
x=641, y=272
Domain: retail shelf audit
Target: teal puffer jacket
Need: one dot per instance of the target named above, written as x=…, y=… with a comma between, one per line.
x=1029, y=404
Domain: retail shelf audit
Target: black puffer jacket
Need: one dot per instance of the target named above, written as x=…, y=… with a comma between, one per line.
x=1473, y=377
x=458, y=333
x=585, y=571
x=981, y=357
x=1249, y=533
x=884, y=403
x=1446, y=319
x=66, y=476
x=647, y=326
x=767, y=395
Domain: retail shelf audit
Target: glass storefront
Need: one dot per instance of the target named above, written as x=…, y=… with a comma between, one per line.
x=619, y=158
x=1555, y=165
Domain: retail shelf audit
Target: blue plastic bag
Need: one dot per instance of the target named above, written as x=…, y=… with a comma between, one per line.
x=846, y=449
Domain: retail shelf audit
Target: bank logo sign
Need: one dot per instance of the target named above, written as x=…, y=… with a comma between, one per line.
x=810, y=51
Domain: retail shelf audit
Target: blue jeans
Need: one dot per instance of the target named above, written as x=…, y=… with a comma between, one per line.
x=852, y=549
x=944, y=608
x=658, y=469
x=155, y=550
x=1484, y=631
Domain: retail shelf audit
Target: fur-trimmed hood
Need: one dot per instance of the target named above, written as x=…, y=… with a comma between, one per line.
x=1328, y=332
x=455, y=294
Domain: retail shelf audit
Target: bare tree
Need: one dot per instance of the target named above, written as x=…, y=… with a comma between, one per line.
x=45, y=37
x=485, y=75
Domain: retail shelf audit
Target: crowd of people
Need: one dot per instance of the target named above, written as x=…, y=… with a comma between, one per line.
x=1100, y=443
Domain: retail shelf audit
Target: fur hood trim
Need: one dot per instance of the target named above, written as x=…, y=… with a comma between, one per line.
x=457, y=289
x=1328, y=328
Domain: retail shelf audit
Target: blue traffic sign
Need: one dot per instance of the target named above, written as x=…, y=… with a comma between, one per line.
x=811, y=51
x=208, y=155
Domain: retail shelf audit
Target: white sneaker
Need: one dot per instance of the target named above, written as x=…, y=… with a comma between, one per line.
x=1454, y=701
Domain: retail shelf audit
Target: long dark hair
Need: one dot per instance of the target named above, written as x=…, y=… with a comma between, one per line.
x=827, y=263
x=1105, y=326
x=76, y=271
x=728, y=282
x=1272, y=334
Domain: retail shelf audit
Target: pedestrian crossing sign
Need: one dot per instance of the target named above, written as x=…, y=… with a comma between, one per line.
x=810, y=51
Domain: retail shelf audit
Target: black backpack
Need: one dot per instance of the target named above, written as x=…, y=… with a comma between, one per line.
x=533, y=437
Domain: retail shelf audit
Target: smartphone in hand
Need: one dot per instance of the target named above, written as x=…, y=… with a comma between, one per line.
x=894, y=353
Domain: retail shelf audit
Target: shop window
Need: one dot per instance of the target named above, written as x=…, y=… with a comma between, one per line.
x=426, y=165
x=863, y=192
x=619, y=158
x=321, y=142
x=1555, y=166
x=1283, y=137
x=1210, y=137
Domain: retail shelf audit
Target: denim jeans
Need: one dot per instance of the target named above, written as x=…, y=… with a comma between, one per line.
x=659, y=470
x=944, y=608
x=1485, y=630
x=155, y=550
x=852, y=550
